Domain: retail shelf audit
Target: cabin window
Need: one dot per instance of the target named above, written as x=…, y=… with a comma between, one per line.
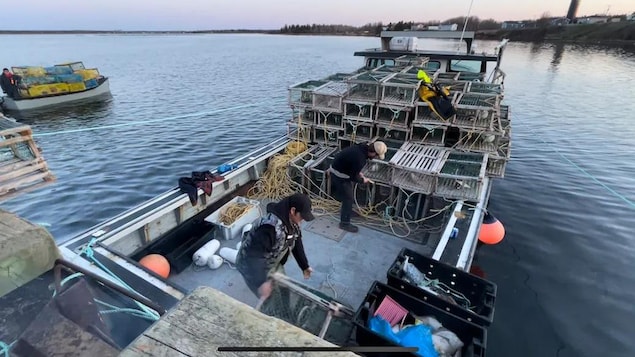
x=433, y=66
x=376, y=62
x=465, y=66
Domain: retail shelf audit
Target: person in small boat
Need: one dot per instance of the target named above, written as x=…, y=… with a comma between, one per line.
x=346, y=169
x=266, y=247
x=9, y=83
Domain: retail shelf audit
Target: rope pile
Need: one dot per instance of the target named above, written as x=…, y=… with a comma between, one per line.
x=233, y=212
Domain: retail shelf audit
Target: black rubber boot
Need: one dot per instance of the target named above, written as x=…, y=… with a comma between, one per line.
x=349, y=227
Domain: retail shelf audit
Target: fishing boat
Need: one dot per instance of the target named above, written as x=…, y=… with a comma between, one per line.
x=41, y=87
x=158, y=279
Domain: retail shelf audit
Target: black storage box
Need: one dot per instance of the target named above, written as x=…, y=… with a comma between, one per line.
x=480, y=292
x=474, y=337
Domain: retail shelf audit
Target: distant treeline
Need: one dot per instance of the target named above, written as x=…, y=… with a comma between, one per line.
x=474, y=24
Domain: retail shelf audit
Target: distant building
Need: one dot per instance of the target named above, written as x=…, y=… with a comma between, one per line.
x=516, y=25
x=631, y=17
x=448, y=27
x=593, y=19
x=559, y=21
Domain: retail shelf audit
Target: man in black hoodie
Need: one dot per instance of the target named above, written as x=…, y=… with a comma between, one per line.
x=346, y=169
x=266, y=248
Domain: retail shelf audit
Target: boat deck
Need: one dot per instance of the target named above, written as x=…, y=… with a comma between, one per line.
x=344, y=264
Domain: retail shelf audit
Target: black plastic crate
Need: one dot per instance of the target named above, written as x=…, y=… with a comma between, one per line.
x=480, y=292
x=474, y=337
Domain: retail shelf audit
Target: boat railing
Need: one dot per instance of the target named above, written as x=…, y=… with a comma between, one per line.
x=173, y=198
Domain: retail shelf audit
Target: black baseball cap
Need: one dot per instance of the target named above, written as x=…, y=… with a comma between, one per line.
x=302, y=204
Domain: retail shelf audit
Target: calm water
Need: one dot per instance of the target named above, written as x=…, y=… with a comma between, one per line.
x=566, y=268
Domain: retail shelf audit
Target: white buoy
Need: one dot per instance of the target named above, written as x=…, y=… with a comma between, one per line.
x=238, y=245
x=202, y=255
x=229, y=254
x=246, y=229
x=215, y=262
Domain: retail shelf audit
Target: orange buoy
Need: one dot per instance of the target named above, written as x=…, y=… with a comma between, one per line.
x=156, y=263
x=492, y=230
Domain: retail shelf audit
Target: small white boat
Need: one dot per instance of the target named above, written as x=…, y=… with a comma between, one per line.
x=41, y=87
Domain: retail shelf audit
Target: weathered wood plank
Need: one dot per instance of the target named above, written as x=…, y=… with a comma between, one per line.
x=17, y=139
x=192, y=336
x=6, y=187
x=22, y=171
x=208, y=319
x=145, y=346
x=17, y=164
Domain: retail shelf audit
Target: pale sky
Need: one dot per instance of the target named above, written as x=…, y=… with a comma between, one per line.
x=270, y=14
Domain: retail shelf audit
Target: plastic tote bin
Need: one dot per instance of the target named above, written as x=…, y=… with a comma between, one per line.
x=234, y=230
x=474, y=337
x=480, y=292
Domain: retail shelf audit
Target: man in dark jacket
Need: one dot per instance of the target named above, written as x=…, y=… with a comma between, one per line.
x=266, y=247
x=9, y=83
x=347, y=169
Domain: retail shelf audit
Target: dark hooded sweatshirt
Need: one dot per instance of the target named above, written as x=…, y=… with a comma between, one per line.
x=351, y=160
x=269, y=241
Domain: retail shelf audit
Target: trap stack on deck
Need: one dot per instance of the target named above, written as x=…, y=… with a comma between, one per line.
x=427, y=155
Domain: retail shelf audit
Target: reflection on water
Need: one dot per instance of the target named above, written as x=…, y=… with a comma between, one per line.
x=558, y=51
x=85, y=110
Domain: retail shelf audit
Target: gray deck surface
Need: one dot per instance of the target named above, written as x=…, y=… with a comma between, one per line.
x=351, y=264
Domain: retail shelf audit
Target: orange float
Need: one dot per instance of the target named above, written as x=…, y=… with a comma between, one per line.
x=156, y=263
x=492, y=230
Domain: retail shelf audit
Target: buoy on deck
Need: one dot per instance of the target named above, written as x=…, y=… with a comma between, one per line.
x=492, y=230
x=202, y=255
x=228, y=254
x=156, y=263
x=215, y=262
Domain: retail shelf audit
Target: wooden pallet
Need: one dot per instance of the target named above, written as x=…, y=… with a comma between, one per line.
x=22, y=167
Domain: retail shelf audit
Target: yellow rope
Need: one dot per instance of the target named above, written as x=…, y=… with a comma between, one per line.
x=276, y=183
x=233, y=212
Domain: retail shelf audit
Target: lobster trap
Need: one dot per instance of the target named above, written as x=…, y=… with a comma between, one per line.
x=317, y=180
x=326, y=136
x=415, y=167
x=476, y=120
x=461, y=176
x=328, y=120
x=309, y=309
x=359, y=111
x=400, y=89
x=299, y=132
x=428, y=134
x=329, y=96
x=377, y=197
x=390, y=133
x=302, y=116
x=301, y=94
x=22, y=168
x=357, y=132
x=366, y=86
x=393, y=115
x=424, y=116
x=298, y=166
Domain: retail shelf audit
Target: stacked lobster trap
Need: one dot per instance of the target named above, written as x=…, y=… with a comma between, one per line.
x=427, y=154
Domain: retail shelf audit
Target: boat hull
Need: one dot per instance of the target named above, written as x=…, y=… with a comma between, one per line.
x=37, y=103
